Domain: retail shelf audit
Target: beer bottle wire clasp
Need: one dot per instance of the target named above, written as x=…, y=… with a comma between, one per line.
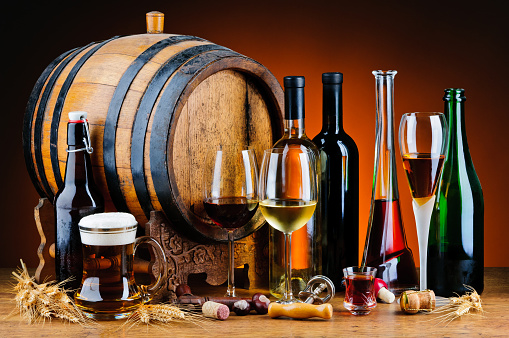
x=86, y=140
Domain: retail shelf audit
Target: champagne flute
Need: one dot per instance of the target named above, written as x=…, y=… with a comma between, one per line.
x=423, y=142
x=230, y=194
x=288, y=196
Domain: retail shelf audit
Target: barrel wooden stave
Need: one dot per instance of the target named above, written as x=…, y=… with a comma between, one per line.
x=44, y=112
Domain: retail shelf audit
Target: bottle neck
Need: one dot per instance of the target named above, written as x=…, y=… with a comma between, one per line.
x=454, y=107
x=294, y=103
x=385, y=183
x=78, y=169
x=294, y=128
x=333, y=108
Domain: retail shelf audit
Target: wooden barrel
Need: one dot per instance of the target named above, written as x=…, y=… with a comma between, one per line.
x=156, y=103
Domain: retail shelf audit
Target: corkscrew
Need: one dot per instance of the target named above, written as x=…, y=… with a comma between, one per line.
x=313, y=306
x=311, y=294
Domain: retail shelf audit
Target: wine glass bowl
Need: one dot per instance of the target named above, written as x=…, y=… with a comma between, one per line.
x=423, y=143
x=230, y=194
x=288, y=196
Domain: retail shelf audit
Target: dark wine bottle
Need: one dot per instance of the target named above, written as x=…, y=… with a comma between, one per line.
x=77, y=198
x=305, y=241
x=456, y=234
x=339, y=184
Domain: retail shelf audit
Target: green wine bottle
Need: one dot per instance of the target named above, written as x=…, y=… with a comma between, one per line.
x=456, y=234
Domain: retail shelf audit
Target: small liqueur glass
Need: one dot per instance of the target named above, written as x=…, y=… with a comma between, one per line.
x=360, y=296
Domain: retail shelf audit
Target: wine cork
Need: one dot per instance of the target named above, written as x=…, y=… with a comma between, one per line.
x=386, y=296
x=215, y=310
x=414, y=301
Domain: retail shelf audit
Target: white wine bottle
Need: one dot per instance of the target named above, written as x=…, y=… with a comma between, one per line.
x=305, y=241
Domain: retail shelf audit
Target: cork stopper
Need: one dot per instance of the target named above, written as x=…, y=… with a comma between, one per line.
x=414, y=301
x=155, y=22
x=215, y=310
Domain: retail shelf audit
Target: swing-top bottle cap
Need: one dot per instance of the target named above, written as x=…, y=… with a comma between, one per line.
x=332, y=78
x=77, y=115
x=294, y=81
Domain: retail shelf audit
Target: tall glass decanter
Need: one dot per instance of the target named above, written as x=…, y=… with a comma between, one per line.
x=456, y=234
x=386, y=247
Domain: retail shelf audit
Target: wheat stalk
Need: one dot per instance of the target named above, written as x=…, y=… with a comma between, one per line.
x=460, y=306
x=162, y=315
x=40, y=302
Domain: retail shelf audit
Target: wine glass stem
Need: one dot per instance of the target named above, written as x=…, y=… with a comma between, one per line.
x=422, y=219
x=288, y=268
x=231, y=266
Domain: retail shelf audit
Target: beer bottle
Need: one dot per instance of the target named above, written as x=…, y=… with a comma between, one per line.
x=78, y=198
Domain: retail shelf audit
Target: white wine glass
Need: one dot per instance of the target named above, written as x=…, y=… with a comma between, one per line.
x=423, y=143
x=288, y=196
x=230, y=194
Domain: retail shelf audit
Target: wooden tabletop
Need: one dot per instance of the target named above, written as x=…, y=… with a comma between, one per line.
x=385, y=320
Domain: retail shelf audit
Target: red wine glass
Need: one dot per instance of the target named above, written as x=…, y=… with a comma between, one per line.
x=230, y=189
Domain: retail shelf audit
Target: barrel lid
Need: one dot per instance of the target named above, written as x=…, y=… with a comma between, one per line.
x=77, y=115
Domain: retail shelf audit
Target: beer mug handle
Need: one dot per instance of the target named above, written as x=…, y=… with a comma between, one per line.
x=148, y=291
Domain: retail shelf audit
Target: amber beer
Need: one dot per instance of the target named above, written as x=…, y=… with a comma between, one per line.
x=108, y=289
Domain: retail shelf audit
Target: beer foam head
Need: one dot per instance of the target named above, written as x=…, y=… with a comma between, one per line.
x=109, y=228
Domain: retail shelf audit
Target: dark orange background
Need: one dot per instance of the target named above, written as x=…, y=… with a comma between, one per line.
x=451, y=44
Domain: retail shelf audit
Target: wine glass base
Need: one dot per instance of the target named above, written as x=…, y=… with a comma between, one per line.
x=230, y=293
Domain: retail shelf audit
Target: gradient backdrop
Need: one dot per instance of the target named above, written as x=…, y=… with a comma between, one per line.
x=454, y=44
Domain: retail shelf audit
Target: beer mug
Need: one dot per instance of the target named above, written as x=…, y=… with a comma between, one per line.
x=108, y=289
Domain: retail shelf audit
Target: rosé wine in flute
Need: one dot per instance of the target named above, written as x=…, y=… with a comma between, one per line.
x=423, y=143
x=422, y=170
